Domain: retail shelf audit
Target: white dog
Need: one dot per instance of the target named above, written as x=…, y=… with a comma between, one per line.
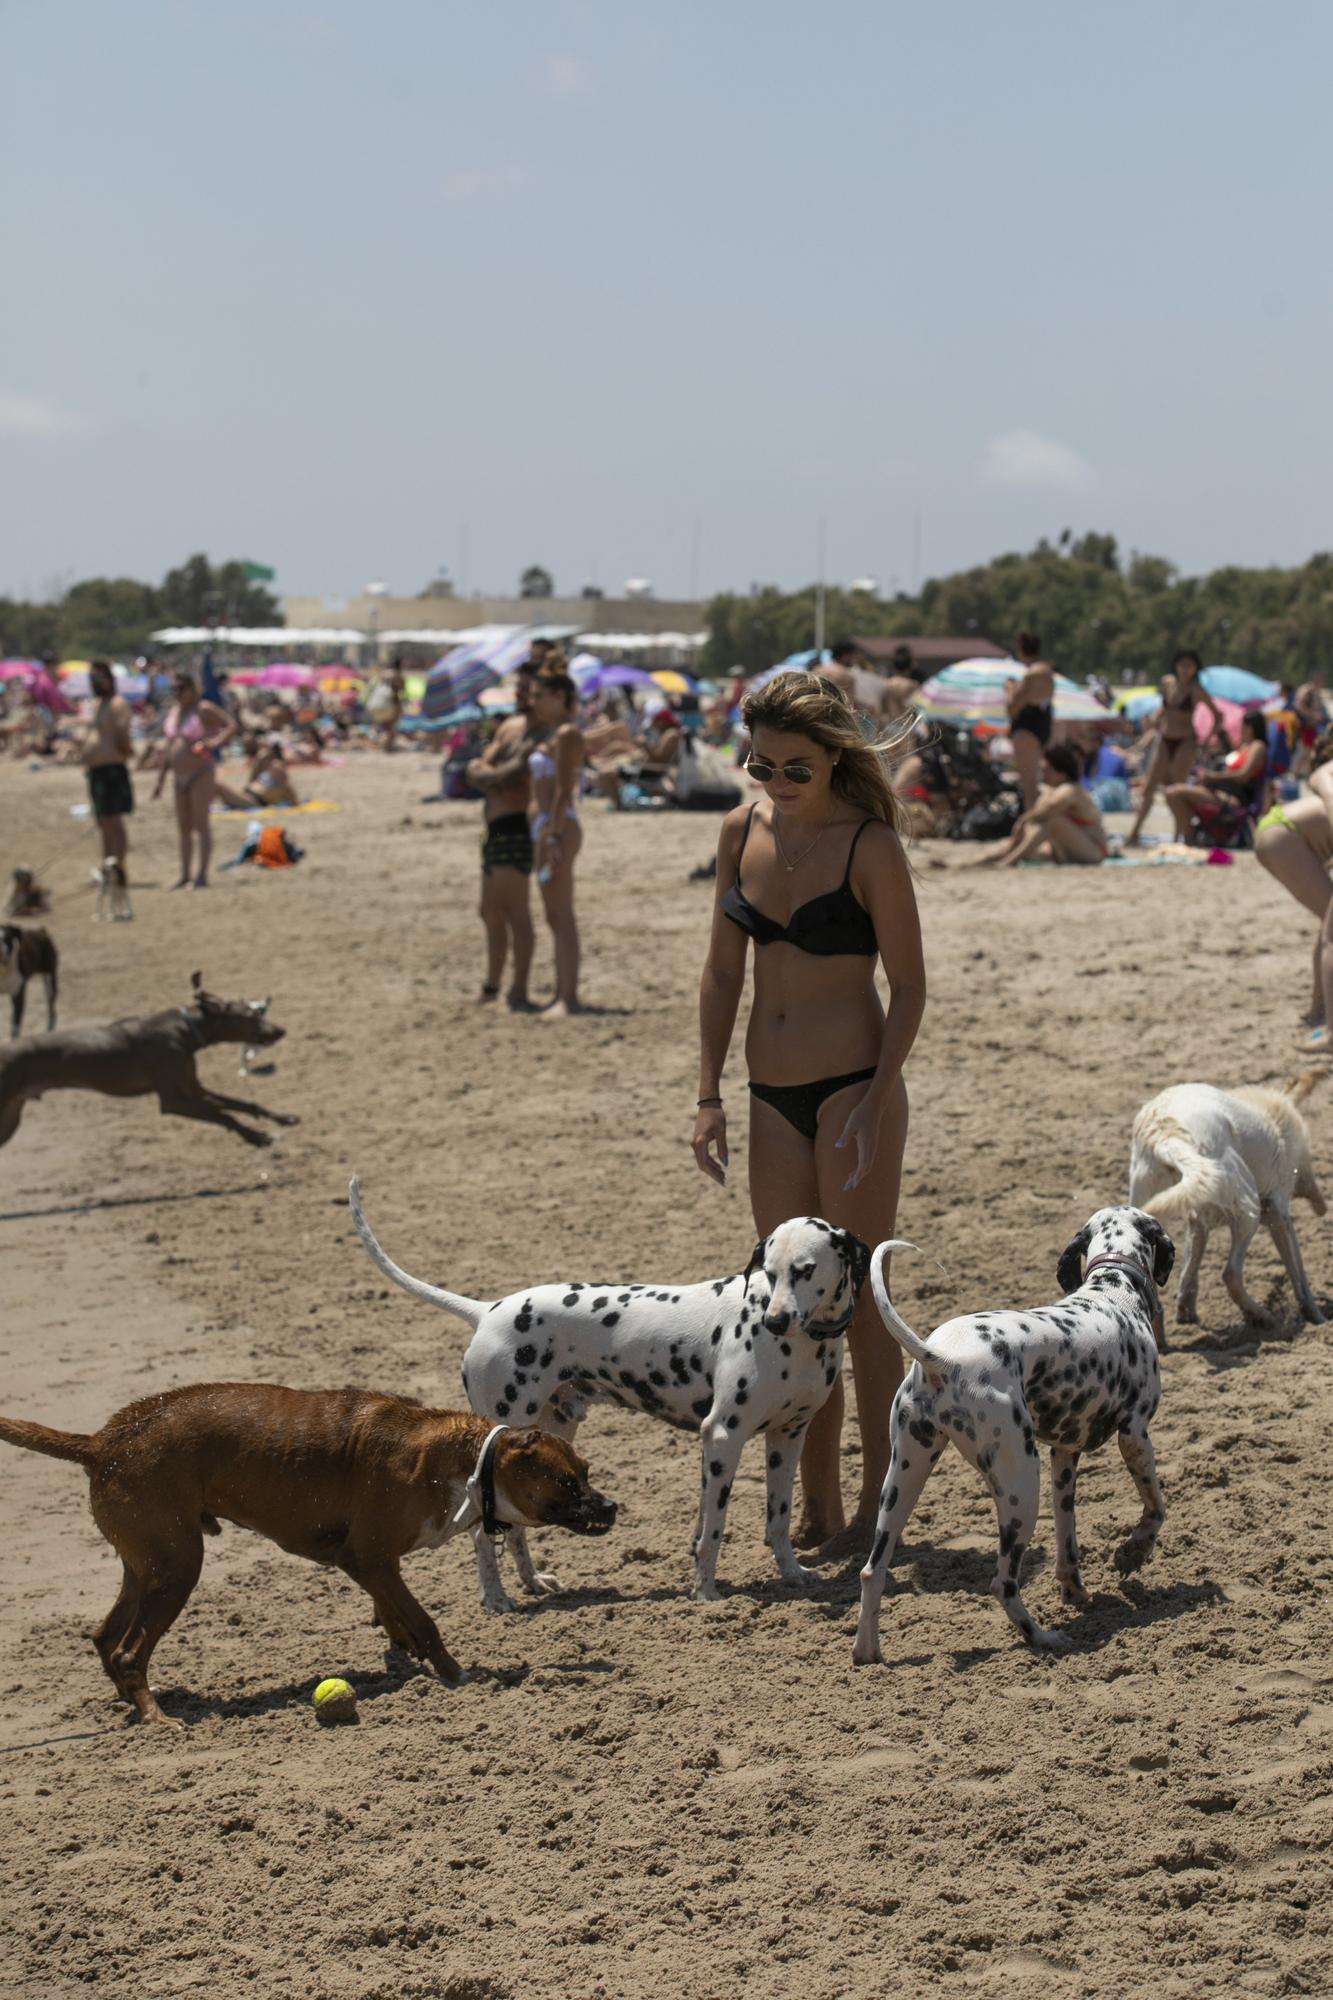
x=726, y=1358
x=1204, y=1159
x=113, y=893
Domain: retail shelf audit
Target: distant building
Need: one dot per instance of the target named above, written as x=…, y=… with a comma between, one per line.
x=933, y=653
x=642, y=627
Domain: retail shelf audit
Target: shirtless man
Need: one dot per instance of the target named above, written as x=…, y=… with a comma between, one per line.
x=105, y=749
x=848, y=671
x=501, y=774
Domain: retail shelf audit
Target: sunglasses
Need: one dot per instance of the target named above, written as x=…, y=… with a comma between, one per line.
x=764, y=772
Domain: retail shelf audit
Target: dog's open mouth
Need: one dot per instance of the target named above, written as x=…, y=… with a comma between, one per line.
x=595, y=1518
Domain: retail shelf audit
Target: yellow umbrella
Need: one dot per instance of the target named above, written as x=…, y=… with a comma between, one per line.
x=671, y=682
x=72, y=667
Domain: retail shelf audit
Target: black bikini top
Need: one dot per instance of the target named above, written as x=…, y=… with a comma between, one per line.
x=833, y=925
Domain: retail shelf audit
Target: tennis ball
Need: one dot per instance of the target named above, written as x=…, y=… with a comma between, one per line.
x=335, y=1702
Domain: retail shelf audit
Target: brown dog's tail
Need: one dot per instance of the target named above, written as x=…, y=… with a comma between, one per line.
x=55, y=1444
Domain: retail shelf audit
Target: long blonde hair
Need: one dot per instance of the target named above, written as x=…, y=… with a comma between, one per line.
x=799, y=704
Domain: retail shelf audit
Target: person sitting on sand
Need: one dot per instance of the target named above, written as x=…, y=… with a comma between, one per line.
x=1242, y=780
x=1294, y=843
x=1064, y=822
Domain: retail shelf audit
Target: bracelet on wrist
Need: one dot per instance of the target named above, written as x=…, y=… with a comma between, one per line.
x=700, y=1103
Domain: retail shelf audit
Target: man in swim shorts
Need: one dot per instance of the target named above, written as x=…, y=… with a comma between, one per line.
x=106, y=750
x=501, y=775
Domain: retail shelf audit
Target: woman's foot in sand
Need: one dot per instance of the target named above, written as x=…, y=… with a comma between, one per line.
x=487, y=995
x=199, y=882
x=183, y=883
x=562, y=1010
x=852, y=1541
x=811, y=1532
x=519, y=1003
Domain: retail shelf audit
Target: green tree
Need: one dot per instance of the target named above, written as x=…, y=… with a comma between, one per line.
x=112, y=615
x=197, y=593
x=536, y=582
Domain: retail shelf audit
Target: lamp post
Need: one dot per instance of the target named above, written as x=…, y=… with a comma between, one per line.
x=375, y=591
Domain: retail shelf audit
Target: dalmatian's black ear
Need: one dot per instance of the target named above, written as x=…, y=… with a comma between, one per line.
x=756, y=1262
x=1163, y=1249
x=856, y=1257
x=1069, y=1270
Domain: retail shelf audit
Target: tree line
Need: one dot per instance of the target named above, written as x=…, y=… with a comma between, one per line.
x=1096, y=613
x=112, y=617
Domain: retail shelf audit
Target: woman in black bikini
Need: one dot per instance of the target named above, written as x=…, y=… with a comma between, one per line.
x=1176, y=750
x=815, y=874
x=1031, y=711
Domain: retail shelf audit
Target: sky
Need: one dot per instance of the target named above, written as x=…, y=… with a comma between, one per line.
x=375, y=293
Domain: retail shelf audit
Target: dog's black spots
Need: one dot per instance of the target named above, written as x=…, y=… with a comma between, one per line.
x=891, y=1497
x=1001, y=1350
x=829, y=1374
x=680, y=1374
x=1009, y=1535
x=774, y=1460
x=715, y=1467
x=708, y=1377
x=570, y=1299
x=716, y=1533
x=579, y=1286
x=511, y=1392
x=533, y=1409
x=702, y=1407
x=622, y=1298
x=675, y=1298
x=923, y=1432
x=1065, y=1503
x=1010, y=1589
x=502, y=1409
x=657, y=1378
x=547, y=1358
x=877, y=1553
x=715, y=1335
x=524, y=1356
x=782, y=1507
x=605, y=1374
x=983, y=1335
x=723, y=1494
x=742, y=1381
x=785, y=1373
x=733, y=1422
x=785, y=1345
x=600, y=1305
x=696, y=1365
x=610, y=1319
x=742, y=1396
x=1016, y=1413
x=738, y=1333
x=720, y=1286
x=523, y=1317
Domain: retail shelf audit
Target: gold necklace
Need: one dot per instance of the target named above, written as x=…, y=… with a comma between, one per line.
x=782, y=852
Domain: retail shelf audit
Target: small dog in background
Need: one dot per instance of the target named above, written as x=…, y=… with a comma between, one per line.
x=27, y=897
x=1204, y=1159
x=26, y=955
x=113, y=893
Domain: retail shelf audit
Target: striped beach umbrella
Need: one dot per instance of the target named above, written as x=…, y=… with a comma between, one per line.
x=463, y=672
x=975, y=690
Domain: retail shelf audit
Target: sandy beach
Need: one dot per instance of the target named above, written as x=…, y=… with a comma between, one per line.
x=637, y=1794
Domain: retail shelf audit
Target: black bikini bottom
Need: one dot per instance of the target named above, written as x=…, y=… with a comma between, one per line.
x=800, y=1103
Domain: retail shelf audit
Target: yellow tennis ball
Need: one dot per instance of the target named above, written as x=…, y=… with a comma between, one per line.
x=334, y=1701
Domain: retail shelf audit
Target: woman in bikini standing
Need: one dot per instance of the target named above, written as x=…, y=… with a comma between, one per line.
x=814, y=873
x=1176, y=750
x=1294, y=842
x=554, y=769
x=1031, y=704
x=193, y=730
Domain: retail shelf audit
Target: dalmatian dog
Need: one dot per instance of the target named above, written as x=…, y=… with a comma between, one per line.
x=997, y=1384
x=726, y=1358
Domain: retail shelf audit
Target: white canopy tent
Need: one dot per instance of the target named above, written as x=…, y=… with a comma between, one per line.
x=267, y=636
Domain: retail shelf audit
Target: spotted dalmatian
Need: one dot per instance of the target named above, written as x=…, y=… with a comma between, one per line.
x=998, y=1384
x=726, y=1359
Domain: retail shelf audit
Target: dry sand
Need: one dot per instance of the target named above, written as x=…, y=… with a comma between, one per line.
x=641, y=1794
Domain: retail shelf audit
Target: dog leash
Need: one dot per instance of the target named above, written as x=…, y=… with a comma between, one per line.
x=479, y=1493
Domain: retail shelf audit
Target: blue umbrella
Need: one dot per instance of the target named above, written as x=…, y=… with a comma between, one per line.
x=796, y=663
x=1237, y=684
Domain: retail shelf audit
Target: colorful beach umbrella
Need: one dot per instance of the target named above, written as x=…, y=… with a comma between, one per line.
x=461, y=674
x=975, y=690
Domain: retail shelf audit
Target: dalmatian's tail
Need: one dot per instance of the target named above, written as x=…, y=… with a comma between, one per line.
x=469, y=1309
x=898, y=1326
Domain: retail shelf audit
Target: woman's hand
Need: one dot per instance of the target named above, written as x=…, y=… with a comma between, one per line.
x=710, y=1142
x=862, y=1132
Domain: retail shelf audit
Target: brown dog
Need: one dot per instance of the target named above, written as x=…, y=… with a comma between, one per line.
x=141, y=1056
x=348, y=1477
